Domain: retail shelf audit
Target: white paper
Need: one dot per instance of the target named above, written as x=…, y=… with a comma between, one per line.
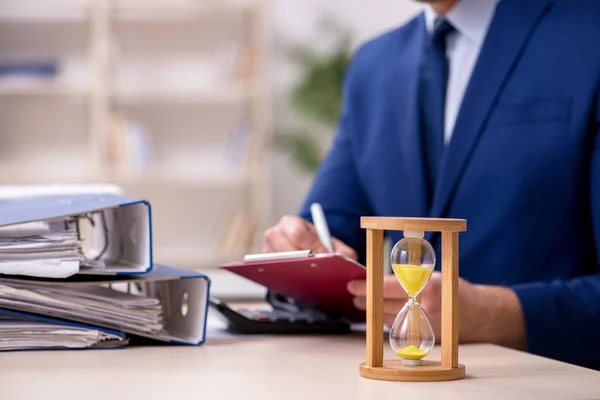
x=88, y=304
x=21, y=333
x=27, y=229
x=51, y=252
x=40, y=268
x=38, y=244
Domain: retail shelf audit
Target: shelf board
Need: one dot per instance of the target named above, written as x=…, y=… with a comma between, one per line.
x=224, y=95
x=35, y=87
x=41, y=14
x=182, y=177
x=32, y=175
x=144, y=12
x=227, y=95
x=18, y=191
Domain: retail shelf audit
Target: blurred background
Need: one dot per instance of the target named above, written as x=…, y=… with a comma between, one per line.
x=216, y=111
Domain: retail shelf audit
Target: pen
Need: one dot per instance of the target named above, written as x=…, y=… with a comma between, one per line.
x=320, y=223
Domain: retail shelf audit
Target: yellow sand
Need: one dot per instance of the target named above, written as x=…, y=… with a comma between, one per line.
x=412, y=277
x=411, y=353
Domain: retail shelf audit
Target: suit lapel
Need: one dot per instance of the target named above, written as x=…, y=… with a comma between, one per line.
x=509, y=31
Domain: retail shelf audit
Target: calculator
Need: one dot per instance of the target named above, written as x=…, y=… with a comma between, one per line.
x=284, y=318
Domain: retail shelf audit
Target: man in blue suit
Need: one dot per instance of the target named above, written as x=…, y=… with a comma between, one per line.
x=490, y=111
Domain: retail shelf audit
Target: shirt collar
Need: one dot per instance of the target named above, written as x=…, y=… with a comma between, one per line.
x=470, y=18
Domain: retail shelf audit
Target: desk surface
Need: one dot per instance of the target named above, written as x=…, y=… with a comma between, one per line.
x=265, y=368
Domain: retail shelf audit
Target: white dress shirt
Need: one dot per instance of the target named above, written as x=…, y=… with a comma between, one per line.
x=470, y=19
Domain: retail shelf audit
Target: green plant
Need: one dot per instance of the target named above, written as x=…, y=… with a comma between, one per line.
x=303, y=148
x=316, y=97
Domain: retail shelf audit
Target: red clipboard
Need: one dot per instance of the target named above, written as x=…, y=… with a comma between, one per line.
x=318, y=281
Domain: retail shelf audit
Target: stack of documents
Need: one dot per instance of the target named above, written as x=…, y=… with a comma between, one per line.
x=89, y=304
x=44, y=249
x=167, y=304
x=60, y=236
x=66, y=287
x=22, y=332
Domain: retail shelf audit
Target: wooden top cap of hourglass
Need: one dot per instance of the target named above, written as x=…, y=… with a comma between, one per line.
x=414, y=224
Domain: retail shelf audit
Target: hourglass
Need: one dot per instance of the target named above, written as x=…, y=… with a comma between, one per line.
x=411, y=336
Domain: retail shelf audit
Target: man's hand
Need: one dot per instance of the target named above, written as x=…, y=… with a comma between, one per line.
x=490, y=314
x=295, y=233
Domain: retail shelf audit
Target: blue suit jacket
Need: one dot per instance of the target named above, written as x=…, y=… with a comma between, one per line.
x=523, y=166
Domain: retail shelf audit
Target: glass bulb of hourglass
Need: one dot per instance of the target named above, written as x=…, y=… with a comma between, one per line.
x=411, y=335
x=413, y=261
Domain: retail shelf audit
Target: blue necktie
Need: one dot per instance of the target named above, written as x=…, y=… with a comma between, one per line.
x=432, y=97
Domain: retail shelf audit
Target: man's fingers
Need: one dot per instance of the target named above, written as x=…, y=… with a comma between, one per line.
x=295, y=233
x=390, y=307
x=360, y=303
x=290, y=234
x=301, y=235
x=276, y=241
x=391, y=288
x=357, y=288
x=342, y=248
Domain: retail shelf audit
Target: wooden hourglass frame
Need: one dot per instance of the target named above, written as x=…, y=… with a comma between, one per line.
x=375, y=367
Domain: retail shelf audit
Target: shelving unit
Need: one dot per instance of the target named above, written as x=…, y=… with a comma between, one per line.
x=168, y=100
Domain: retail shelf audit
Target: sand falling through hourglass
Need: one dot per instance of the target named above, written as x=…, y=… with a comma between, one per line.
x=412, y=260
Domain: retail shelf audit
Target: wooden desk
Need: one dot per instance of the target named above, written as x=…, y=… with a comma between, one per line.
x=277, y=368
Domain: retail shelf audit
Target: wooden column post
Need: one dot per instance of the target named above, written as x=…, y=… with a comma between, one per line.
x=374, y=298
x=449, y=300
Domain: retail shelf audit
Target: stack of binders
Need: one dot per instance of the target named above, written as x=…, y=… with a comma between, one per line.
x=77, y=272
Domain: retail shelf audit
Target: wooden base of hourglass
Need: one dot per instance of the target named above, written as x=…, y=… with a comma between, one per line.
x=375, y=367
x=430, y=371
